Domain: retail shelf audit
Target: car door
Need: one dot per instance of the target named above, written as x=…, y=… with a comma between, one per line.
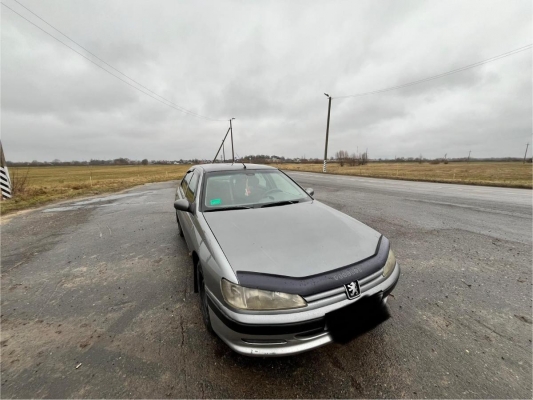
x=180, y=194
x=184, y=184
x=190, y=195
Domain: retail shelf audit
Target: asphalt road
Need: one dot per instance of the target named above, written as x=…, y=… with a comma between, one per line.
x=105, y=285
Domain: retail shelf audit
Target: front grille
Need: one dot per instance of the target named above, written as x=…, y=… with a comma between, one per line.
x=365, y=284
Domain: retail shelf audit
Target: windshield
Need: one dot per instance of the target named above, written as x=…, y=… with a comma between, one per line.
x=250, y=189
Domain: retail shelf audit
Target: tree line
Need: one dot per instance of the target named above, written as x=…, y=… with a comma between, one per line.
x=342, y=157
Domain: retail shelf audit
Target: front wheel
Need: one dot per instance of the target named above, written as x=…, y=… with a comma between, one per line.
x=180, y=230
x=203, y=300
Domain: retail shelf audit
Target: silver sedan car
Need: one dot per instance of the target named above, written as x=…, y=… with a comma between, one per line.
x=278, y=272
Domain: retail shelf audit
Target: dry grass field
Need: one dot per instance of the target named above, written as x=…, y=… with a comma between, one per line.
x=46, y=184
x=507, y=174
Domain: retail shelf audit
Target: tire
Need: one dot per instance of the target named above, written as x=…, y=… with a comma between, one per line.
x=204, y=308
x=180, y=230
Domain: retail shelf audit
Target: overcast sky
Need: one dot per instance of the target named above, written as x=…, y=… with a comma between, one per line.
x=266, y=63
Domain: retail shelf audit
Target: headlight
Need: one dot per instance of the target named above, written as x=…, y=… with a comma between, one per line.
x=389, y=265
x=256, y=299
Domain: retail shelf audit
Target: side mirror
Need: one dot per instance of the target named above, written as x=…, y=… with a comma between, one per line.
x=182, y=205
x=310, y=191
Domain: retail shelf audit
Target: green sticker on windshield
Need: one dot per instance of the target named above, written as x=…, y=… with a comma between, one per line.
x=216, y=202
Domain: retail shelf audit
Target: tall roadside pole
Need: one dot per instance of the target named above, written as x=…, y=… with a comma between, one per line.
x=525, y=154
x=231, y=130
x=327, y=134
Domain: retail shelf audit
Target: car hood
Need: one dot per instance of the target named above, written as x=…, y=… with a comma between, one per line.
x=294, y=240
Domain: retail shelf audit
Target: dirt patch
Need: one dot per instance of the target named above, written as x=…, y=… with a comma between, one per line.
x=35, y=233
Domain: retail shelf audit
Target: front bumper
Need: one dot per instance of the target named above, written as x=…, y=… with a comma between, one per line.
x=268, y=334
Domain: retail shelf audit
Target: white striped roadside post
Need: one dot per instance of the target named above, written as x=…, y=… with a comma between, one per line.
x=5, y=180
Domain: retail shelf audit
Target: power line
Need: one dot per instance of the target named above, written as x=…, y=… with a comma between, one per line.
x=95, y=56
x=509, y=53
x=172, y=105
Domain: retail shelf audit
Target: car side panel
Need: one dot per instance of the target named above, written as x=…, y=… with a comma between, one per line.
x=200, y=239
x=214, y=263
x=185, y=219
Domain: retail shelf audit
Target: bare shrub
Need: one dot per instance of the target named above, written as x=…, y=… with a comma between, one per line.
x=19, y=181
x=342, y=156
x=364, y=158
x=352, y=160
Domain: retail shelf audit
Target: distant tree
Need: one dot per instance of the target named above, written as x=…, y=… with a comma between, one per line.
x=342, y=156
x=364, y=158
x=144, y=162
x=121, y=161
x=352, y=160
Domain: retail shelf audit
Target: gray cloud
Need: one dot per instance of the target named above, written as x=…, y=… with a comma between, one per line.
x=267, y=64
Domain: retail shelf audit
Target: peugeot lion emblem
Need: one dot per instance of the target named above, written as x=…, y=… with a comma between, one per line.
x=352, y=290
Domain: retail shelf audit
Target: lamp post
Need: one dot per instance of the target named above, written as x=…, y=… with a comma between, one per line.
x=327, y=133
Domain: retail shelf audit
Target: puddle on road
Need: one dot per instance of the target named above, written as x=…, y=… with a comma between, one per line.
x=91, y=202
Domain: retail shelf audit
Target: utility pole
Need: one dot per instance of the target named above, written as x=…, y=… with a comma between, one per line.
x=224, y=152
x=221, y=145
x=525, y=154
x=327, y=134
x=231, y=130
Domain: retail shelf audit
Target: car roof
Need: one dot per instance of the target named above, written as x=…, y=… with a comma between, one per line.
x=231, y=167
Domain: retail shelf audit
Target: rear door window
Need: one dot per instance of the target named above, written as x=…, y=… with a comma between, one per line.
x=193, y=185
x=185, y=181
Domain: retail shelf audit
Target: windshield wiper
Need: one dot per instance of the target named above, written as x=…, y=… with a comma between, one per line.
x=228, y=208
x=280, y=203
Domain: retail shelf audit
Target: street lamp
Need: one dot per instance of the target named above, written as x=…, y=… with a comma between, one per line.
x=327, y=133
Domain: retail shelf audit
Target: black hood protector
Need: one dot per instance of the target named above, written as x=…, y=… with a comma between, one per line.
x=313, y=284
